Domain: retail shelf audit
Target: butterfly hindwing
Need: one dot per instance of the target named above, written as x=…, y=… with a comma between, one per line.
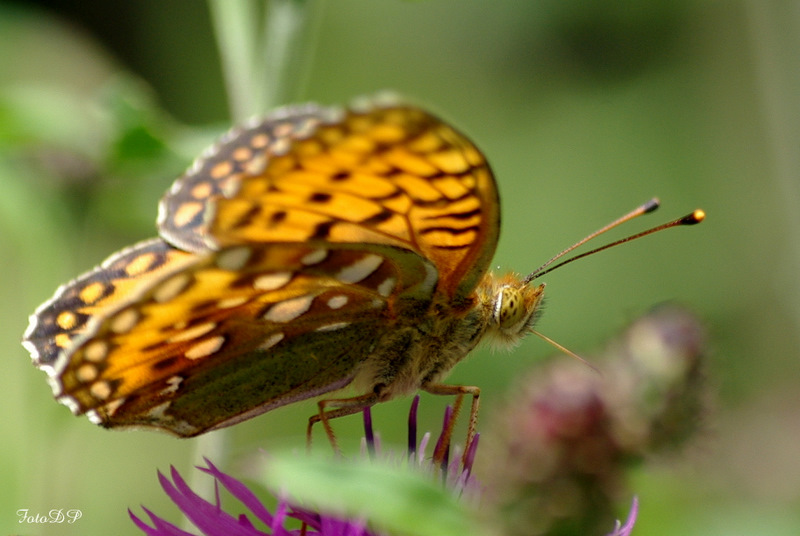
x=385, y=174
x=242, y=150
x=57, y=322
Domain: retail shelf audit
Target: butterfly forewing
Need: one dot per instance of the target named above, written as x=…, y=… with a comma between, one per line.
x=240, y=382
x=282, y=321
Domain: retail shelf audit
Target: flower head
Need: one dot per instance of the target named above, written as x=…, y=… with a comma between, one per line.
x=211, y=519
x=336, y=485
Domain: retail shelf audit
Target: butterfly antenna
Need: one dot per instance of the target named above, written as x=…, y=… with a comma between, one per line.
x=565, y=350
x=690, y=219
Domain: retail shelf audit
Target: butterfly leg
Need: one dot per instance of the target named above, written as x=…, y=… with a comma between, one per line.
x=458, y=391
x=335, y=408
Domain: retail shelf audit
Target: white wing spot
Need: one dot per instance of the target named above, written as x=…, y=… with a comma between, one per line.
x=205, y=348
x=387, y=286
x=100, y=390
x=230, y=303
x=334, y=326
x=124, y=321
x=156, y=413
x=279, y=147
x=193, y=332
x=256, y=164
x=234, y=259
x=337, y=302
x=316, y=256
x=181, y=427
x=271, y=341
x=112, y=407
x=359, y=270
x=95, y=351
x=289, y=309
x=171, y=287
x=272, y=281
x=173, y=384
x=86, y=373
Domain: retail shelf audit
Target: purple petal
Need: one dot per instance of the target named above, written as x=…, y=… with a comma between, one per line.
x=159, y=528
x=281, y=513
x=369, y=433
x=627, y=528
x=442, y=449
x=469, y=456
x=312, y=519
x=412, y=427
x=336, y=527
x=207, y=517
x=240, y=491
x=423, y=445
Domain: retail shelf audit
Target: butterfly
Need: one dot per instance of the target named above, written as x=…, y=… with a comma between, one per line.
x=314, y=249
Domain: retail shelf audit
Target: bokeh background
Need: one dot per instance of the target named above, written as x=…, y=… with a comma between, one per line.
x=584, y=109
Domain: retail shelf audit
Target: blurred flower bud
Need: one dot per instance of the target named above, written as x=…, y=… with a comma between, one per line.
x=567, y=435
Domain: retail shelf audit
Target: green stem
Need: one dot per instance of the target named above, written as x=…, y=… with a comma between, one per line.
x=236, y=32
x=290, y=28
x=264, y=66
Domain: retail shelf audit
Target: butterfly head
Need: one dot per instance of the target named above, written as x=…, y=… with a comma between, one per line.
x=513, y=307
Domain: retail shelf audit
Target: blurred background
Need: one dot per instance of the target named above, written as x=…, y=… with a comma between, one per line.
x=584, y=109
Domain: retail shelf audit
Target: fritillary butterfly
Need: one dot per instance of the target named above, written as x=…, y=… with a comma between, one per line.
x=315, y=249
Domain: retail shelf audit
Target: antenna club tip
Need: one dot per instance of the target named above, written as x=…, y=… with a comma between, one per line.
x=695, y=217
x=651, y=205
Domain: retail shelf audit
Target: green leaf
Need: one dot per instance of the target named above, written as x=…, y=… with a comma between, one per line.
x=392, y=498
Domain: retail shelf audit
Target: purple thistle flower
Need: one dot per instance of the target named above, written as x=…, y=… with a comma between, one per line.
x=212, y=520
x=456, y=473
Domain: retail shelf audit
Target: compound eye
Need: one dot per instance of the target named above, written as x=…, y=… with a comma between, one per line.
x=509, y=308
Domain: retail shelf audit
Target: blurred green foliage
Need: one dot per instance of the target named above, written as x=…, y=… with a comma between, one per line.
x=584, y=109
